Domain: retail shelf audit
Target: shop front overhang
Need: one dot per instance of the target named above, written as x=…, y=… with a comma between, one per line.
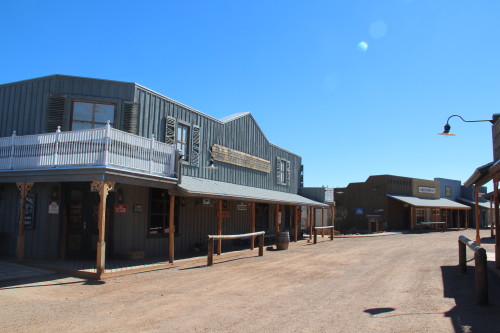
x=480, y=176
x=429, y=203
x=197, y=187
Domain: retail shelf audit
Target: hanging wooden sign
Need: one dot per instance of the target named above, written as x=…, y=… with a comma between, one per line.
x=235, y=157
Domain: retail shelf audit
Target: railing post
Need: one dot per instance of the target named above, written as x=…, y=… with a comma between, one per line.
x=106, y=143
x=151, y=143
x=11, y=161
x=333, y=231
x=56, y=147
x=481, y=277
x=261, y=245
x=315, y=235
x=461, y=257
x=210, y=257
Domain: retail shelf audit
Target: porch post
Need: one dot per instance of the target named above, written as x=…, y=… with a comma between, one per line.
x=171, y=231
x=296, y=224
x=411, y=217
x=219, y=226
x=476, y=211
x=103, y=187
x=333, y=218
x=24, y=189
x=497, y=225
x=252, y=224
x=311, y=222
x=322, y=222
x=492, y=223
x=276, y=220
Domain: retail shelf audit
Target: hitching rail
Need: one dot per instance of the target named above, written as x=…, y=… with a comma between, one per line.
x=480, y=266
x=316, y=232
x=212, y=238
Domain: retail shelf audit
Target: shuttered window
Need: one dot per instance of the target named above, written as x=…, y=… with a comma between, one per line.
x=56, y=113
x=195, y=151
x=182, y=141
x=131, y=117
x=170, y=131
x=282, y=171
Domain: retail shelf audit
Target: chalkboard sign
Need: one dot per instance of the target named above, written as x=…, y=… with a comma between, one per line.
x=29, y=214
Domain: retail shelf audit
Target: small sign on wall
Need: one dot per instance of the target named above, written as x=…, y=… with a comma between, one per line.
x=53, y=208
x=360, y=211
x=121, y=209
x=423, y=189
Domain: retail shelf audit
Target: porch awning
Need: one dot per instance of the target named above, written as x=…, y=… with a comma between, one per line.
x=191, y=186
x=480, y=176
x=432, y=203
x=472, y=202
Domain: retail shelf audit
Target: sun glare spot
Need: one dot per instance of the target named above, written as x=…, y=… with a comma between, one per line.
x=363, y=46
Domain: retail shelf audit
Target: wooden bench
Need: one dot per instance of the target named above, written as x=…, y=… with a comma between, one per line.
x=434, y=224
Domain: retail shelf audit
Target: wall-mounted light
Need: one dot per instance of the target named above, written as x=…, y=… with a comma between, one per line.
x=211, y=163
x=120, y=198
x=55, y=193
x=447, y=127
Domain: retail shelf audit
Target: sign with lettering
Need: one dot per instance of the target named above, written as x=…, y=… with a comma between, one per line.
x=121, y=209
x=238, y=158
x=29, y=211
x=53, y=208
x=423, y=189
x=360, y=211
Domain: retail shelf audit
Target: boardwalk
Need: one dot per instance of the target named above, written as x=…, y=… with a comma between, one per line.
x=398, y=283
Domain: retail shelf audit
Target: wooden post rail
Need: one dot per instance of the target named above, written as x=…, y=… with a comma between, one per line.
x=322, y=228
x=212, y=238
x=480, y=266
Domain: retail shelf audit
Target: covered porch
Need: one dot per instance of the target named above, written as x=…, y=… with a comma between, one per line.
x=433, y=213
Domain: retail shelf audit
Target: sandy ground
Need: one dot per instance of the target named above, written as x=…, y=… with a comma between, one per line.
x=398, y=283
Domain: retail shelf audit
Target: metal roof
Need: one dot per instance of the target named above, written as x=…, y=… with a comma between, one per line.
x=480, y=176
x=191, y=186
x=419, y=202
x=473, y=202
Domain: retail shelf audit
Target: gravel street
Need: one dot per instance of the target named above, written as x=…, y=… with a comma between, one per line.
x=393, y=283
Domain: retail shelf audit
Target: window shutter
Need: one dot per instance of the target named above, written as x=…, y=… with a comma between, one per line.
x=170, y=131
x=278, y=170
x=131, y=117
x=288, y=173
x=56, y=112
x=195, y=151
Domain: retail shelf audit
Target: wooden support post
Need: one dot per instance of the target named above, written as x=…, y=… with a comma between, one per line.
x=311, y=222
x=171, y=230
x=316, y=236
x=24, y=189
x=462, y=263
x=277, y=221
x=412, y=218
x=252, y=224
x=497, y=225
x=481, y=277
x=103, y=187
x=296, y=224
x=467, y=218
x=458, y=218
x=210, y=250
x=492, y=224
x=322, y=222
x=219, y=226
x=476, y=210
x=333, y=217
x=261, y=245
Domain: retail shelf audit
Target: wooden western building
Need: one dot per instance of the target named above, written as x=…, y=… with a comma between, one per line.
x=387, y=202
x=103, y=169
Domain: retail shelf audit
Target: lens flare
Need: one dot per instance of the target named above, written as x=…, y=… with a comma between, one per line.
x=363, y=46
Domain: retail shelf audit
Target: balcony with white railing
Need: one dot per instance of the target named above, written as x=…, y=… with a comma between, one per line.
x=106, y=146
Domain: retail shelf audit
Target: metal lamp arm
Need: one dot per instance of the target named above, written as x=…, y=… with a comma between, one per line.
x=467, y=121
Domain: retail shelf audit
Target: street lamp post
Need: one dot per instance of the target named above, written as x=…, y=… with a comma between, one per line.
x=446, y=131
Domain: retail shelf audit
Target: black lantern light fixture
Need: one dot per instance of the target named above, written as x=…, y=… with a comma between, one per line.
x=447, y=127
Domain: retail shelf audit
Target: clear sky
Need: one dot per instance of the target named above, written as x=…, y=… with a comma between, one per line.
x=357, y=88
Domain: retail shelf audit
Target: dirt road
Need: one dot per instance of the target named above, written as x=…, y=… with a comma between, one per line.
x=398, y=283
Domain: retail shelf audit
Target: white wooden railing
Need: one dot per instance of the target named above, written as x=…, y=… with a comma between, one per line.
x=95, y=147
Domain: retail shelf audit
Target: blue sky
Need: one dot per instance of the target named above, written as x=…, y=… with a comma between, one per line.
x=297, y=66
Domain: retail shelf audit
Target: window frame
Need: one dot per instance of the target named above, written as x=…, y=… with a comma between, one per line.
x=161, y=231
x=93, y=122
x=187, y=144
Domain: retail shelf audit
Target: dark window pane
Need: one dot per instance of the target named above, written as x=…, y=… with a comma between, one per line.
x=83, y=111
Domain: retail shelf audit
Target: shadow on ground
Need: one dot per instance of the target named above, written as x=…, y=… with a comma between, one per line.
x=467, y=316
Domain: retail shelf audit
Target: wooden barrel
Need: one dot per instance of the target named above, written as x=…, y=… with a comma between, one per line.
x=283, y=240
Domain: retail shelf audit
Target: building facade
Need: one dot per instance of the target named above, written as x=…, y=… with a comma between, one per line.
x=99, y=168
x=387, y=202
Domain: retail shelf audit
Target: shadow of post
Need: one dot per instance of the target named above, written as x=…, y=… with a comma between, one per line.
x=466, y=315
